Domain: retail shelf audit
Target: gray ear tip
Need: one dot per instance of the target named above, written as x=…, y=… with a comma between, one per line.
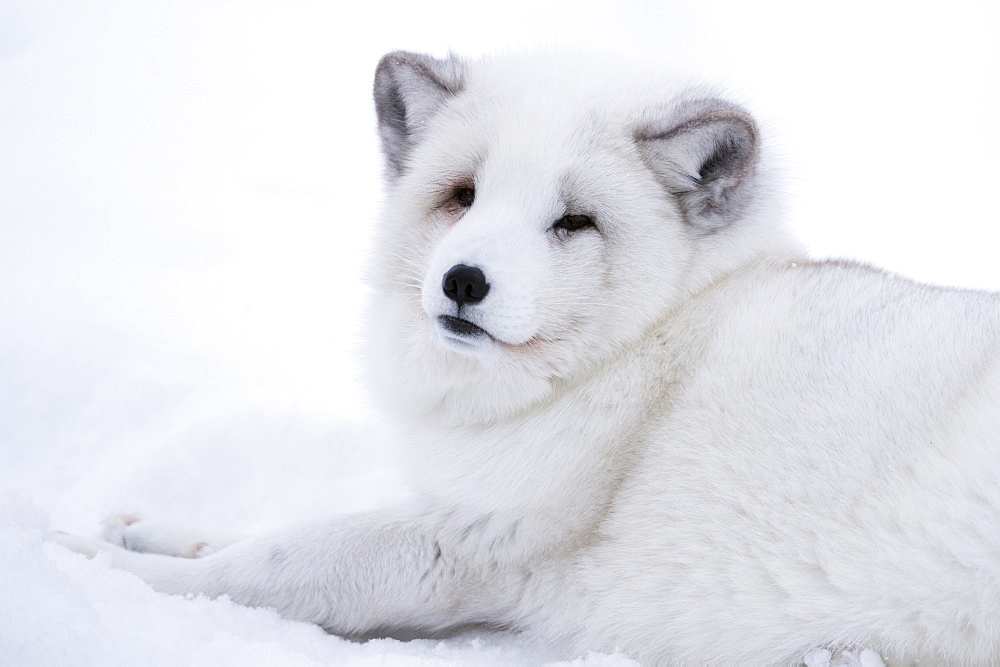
x=444, y=72
x=394, y=59
x=390, y=63
x=700, y=111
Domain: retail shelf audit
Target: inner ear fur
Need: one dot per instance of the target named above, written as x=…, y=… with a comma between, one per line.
x=409, y=89
x=705, y=155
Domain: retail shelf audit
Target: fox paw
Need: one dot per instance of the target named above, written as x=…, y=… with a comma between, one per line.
x=161, y=537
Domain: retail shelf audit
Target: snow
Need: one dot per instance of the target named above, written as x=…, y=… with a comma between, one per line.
x=186, y=194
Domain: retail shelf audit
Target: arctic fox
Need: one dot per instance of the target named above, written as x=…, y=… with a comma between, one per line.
x=638, y=415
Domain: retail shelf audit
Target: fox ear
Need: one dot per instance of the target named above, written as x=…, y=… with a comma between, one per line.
x=706, y=157
x=409, y=88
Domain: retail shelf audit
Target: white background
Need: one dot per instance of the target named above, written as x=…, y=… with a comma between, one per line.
x=186, y=193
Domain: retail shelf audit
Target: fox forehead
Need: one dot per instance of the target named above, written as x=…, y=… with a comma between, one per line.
x=544, y=164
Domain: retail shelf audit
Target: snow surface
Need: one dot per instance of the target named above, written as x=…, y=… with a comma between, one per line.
x=186, y=193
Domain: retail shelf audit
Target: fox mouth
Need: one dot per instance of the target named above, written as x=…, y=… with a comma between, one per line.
x=461, y=328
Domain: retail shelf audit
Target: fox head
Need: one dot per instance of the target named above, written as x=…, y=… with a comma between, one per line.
x=541, y=215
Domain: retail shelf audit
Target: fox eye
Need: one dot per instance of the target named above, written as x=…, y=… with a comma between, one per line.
x=572, y=223
x=464, y=196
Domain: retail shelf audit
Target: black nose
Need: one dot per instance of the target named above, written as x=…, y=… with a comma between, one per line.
x=465, y=284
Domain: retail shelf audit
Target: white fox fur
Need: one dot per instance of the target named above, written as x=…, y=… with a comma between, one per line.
x=639, y=417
